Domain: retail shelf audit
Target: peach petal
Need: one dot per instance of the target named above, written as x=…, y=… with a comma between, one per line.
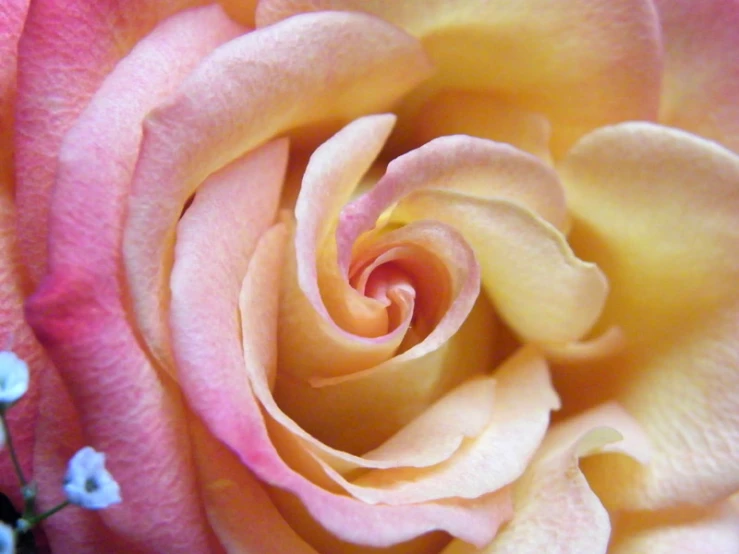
x=244, y=431
x=580, y=63
x=374, y=404
x=700, y=85
x=77, y=311
x=714, y=529
x=333, y=172
x=657, y=208
x=12, y=18
x=250, y=90
x=58, y=73
x=243, y=11
x=542, y=290
x=555, y=509
x=447, y=438
x=488, y=462
x=467, y=165
x=485, y=116
x=610, y=342
x=242, y=515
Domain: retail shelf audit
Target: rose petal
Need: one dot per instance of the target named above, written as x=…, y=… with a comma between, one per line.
x=485, y=116
x=714, y=529
x=542, y=290
x=252, y=89
x=374, y=404
x=700, y=86
x=491, y=460
x=216, y=238
x=657, y=209
x=58, y=72
x=555, y=509
x=12, y=18
x=243, y=11
x=125, y=409
x=242, y=515
x=580, y=63
x=306, y=324
x=246, y=434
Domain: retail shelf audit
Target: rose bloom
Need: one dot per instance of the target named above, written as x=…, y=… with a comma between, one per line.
x=346, y=276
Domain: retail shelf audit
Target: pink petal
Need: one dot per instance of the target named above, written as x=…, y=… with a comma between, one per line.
x=657, y=209
x=700, y=86
x=580, y=63
x=12, y=18
x=251, y=90
x=242, y=515
x=67, y=49
x=125, y=409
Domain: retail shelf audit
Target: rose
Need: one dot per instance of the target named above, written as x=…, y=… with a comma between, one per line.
x=80, y=313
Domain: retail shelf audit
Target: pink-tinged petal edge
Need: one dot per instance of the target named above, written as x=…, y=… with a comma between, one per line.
x=126, y=410
x=700, y=85
x=251, y=90
x=67, y=49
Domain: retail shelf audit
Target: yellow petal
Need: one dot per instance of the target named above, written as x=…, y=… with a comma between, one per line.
x=657, y=210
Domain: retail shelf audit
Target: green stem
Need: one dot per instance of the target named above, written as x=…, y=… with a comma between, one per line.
x=9, y=442
x=32, y=521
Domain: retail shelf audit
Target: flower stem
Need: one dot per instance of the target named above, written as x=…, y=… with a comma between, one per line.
x=13, y=457
x=30, y=522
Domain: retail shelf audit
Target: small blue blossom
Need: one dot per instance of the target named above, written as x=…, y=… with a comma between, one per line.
x=7, y=539
x=88, y=483
x=14, y=379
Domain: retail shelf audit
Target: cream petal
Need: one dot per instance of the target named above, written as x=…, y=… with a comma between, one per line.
x=657, y=209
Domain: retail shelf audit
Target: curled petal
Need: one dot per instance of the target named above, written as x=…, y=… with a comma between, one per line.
x=58, y=73
x=580, y=63
x=657, y=209
x=249, y=91
x=77, y=312
x=555, y=508
x=540, y=287
x=489, y=461
x=234, y=416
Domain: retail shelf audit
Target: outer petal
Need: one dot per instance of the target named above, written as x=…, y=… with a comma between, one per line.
x=580, y=63
x=700, y=86
x=126, y=410
x=555, y=509
x=657, y=210
x=251, y=90
x=242, y=515
x=67, y=49
x=714, y=529
x=12, y=17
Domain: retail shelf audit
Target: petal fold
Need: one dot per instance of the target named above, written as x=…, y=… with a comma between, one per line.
x=580, y=63
x=657, y=210
x=251, y=90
